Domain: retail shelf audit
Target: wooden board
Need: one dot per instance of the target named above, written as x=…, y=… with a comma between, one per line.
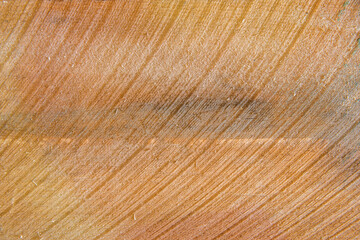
x=179, y=119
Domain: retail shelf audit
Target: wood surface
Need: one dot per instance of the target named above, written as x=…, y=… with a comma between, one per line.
x=149, y=119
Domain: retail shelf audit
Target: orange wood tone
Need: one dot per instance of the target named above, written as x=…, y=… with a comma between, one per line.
x=149, y=119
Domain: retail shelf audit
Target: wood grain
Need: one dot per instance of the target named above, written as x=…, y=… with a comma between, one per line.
x=179, y=119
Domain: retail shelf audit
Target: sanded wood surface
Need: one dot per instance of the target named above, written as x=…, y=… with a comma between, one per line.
x=150, y=119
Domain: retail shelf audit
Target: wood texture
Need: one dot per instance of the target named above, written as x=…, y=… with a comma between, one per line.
x=179, y=119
